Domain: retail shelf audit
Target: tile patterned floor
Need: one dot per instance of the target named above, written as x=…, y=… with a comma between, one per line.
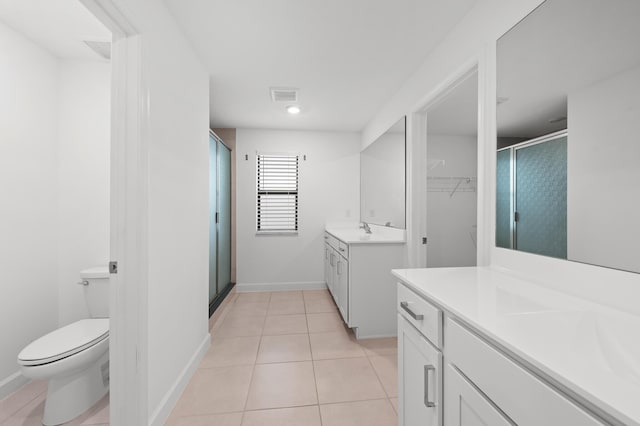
x=26, y=406
x=282, y=358
x=286, y=359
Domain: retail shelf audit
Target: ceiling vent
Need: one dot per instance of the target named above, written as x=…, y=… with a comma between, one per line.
x=102, y=48
x=284, y=94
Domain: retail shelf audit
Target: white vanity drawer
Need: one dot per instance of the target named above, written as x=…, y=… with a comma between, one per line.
x=333, y=241
x=421, y=314
x=343, y=249
x=524, y=398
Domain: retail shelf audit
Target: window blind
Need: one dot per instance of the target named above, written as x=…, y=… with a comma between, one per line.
x=277, y=204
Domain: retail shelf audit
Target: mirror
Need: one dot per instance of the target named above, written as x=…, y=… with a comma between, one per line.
x=382, y=179
x=568, y=126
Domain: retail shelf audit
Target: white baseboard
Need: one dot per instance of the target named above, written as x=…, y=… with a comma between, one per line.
x=12, y=384
x=162, y=412
x=307, y=285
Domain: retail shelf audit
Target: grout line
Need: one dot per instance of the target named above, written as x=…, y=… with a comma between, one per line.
x=378, y=377
x=315, y=379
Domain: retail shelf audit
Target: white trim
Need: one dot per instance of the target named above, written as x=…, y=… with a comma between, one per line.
x=169, y=401
x=128, y=288
x=12, y=384
x=416, y=200
x=111, y=17
x=129, y=206
x=277, y=233
x=253, y=287
x=486, y=154
x=416, y=168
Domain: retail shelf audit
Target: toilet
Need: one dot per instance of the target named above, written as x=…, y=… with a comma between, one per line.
x=74, y=358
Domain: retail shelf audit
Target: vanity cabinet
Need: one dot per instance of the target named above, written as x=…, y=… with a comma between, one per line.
x=337, y=274
x=419, y=360
x=328, y=266
x=358, y=275
x=481, y=384
x=496, y=376
x=467, y=406
x=420, y=378
x=342, y=290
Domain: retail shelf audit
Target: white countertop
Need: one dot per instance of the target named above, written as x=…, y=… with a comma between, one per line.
x=379, y=235
x=592, y=350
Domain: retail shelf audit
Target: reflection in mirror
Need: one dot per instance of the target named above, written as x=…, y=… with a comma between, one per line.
x=452, y=170
x=568, y=119
x=382, y=179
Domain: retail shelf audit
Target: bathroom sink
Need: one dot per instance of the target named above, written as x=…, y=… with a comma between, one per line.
x=579, y=339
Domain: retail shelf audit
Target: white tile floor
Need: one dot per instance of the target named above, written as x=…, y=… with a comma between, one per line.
x=282, y=358
x=286, y=359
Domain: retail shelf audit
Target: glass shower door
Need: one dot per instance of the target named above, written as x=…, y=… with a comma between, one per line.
x=504, y=217
x=213, y=226
x=224, y=216
x=219, y=221
x=541, y=198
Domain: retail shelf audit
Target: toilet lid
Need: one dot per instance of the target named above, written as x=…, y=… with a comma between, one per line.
x=65, y=341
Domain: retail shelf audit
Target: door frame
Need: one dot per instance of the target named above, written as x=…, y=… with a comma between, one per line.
x=417, y=161
x=128, y=217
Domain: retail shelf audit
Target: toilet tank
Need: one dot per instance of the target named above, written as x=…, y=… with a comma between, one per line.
x=96, y=293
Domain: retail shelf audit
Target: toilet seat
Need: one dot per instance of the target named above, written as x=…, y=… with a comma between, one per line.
x=65, y=341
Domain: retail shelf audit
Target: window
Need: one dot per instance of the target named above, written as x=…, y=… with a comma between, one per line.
x=277, y=203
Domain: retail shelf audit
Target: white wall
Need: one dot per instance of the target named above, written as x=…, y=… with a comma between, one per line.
x=83, y=178
x=603, y=173
x=329, y=191
x=473, y=39
x=175, y=102
x=451, y=219
x=28, y=202
x=54, y=169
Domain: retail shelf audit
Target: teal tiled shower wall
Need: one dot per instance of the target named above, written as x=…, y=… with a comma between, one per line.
x=541, y=198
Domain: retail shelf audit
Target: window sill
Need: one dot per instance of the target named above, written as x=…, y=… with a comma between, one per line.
x=277, y=233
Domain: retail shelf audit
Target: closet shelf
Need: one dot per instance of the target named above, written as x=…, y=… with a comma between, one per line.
x=451, y=184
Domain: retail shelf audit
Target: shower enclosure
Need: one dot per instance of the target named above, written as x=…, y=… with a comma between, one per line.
x=219, y=221
x=531, y=207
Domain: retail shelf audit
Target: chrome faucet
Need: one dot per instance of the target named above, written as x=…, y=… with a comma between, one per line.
x=366, y=228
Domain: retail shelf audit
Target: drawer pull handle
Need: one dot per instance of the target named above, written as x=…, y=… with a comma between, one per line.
x=405, y=306
x=427, y=403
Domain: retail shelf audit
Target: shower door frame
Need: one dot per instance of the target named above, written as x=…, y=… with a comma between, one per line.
x=220, y=293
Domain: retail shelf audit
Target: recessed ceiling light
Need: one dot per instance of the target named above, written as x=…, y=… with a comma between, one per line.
x=293, y=109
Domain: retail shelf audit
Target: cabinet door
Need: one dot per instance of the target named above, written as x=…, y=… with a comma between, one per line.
x=331, y=272
x=334, y=275
x=342, y=271
x=420, y=378
x=327, y=265
x=466, y=406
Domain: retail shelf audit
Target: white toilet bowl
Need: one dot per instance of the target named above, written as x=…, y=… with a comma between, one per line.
x=75, y=360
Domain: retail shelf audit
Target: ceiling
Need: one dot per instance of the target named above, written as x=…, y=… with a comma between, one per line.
x=457, y=112
x=560, y=47
x=347, y=58
x=59, y=26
